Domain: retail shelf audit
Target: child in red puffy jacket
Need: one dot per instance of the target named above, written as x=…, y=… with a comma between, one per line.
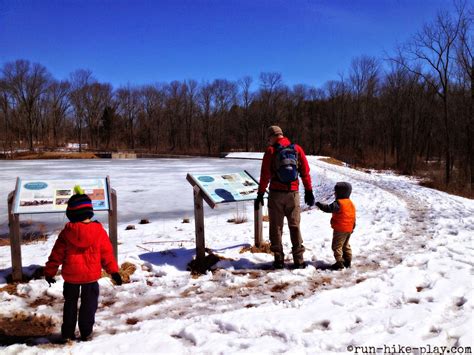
x=83, y=248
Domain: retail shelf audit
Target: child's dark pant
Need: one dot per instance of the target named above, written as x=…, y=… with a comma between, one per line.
x=89, y=300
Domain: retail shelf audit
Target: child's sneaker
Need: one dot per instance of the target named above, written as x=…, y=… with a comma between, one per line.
x=87, y=337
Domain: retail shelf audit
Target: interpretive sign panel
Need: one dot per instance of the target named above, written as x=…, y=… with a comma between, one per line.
x=227, y=187
x=221, y=188
x=44, y=196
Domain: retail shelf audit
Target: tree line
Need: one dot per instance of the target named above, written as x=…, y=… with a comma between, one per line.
x=412, y=107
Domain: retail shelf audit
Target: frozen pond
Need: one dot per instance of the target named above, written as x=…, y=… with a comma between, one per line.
x=146, y=188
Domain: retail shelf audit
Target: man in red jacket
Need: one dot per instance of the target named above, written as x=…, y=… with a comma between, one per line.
x=281, y=165
x=83, y=248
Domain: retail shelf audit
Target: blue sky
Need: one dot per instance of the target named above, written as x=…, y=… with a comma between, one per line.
x=144, y=41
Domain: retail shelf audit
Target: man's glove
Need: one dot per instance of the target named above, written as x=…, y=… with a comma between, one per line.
x=50, y=280
x=116, y=277
x=309, y=197
x=319, y=204
x=259, y=201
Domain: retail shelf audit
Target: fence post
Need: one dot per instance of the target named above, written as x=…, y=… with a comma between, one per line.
x=258, y=228
x=113, y=222
x=199, y=224
x=15, y=239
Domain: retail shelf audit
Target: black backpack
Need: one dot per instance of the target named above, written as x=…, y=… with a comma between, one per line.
x=286, y=163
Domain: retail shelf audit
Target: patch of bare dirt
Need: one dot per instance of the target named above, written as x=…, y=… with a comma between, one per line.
x=132, y=321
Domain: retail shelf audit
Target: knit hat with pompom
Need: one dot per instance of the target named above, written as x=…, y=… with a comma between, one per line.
x=79, y=206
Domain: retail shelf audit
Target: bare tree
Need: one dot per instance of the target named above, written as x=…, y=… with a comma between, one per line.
x=191, y=87
x=246, y=98
x=80, y=80
x=432, y=49
x=97, y=97
x=6, y=114
x=128, y=99
x=27, y=82
x=206, y=100
x=153, y=101
x=465, y=60
x=225, y=94
x=175, y=104
x=337, y=94
x=363, y=77
x=58, y=100
x=270, y=93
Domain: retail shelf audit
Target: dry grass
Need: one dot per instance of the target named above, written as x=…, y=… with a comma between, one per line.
x=264, y=248
x=55, y=155
x=280, y=287
x=10, y=289
x=333, y=161
x=431, y=174
x=126, y=270
x=44, y=300
x=434, y=178
x=26, y=325
x=28, y=237
x=238, y=220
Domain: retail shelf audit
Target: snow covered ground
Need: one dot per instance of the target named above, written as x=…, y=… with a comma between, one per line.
x=410, y=284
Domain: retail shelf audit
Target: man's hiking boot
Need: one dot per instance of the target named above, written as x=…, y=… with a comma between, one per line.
x=301, y=265
x=278, y=264
x=347, y=264
x=337, y=266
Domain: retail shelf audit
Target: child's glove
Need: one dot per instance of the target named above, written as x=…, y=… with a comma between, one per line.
x=259, y=201
x=116, y=277
x=50, y=280
x=309, y=197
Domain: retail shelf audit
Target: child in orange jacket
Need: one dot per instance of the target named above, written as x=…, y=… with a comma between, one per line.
x=83, y=248
x=343, y=222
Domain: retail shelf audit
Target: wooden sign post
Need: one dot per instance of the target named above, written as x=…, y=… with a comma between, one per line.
x=17, y=206
x=222, y=188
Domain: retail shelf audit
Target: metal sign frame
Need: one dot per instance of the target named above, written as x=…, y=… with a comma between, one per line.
x=54, y=186
x=14, y=225
x=201, y=194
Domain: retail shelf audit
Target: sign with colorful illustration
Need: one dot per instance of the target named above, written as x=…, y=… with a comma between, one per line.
x=227, y=187
x=43, y=196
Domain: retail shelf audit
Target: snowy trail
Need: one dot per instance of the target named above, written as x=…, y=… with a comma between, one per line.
x=410, y=284
x=408, y=208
